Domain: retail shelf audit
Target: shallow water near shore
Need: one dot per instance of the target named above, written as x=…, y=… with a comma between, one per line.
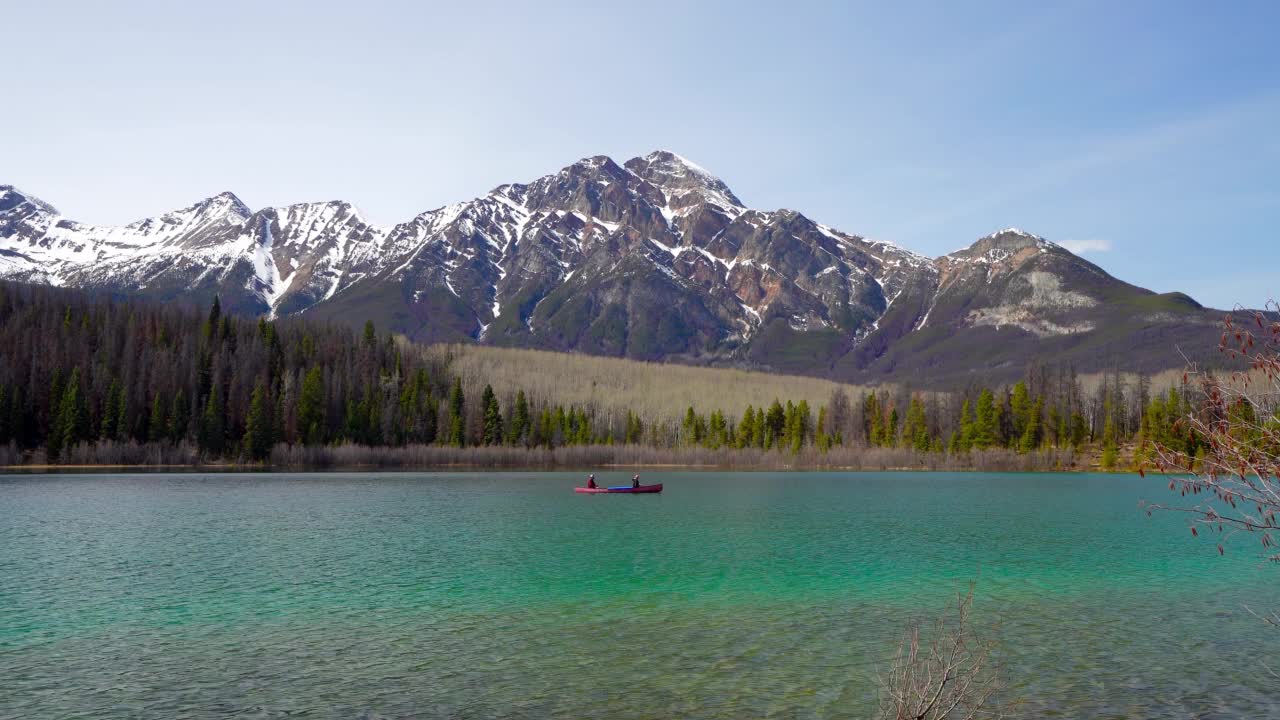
x=506, y=595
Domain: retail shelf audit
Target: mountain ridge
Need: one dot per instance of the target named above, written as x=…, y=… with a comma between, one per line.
x=655, y=259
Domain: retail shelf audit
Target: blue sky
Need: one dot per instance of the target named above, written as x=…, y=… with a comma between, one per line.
x=1147, y=132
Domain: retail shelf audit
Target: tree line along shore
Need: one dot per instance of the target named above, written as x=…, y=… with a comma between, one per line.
x=89, y=379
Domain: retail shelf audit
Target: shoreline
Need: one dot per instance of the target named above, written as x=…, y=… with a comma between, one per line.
x=48, y=469
x=574, y=458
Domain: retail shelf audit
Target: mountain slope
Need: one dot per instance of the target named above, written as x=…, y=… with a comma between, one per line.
x=654, y=259
x=1013, y=298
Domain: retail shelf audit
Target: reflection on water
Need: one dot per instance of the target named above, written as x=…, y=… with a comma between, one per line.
x=729, y=595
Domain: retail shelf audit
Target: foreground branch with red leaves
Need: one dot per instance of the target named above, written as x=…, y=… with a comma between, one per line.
x=1234, y=485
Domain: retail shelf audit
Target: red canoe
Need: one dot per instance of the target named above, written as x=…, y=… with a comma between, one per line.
x=622, y=489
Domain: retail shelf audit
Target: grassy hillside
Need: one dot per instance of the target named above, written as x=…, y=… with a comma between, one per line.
x=652, y=390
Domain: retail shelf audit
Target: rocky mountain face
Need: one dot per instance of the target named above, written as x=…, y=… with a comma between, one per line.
x=654, y=259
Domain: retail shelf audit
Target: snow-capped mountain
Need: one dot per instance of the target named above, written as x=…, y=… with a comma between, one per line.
x=653, y=259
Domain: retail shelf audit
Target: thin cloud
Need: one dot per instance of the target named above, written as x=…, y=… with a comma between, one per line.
x=1081, y=247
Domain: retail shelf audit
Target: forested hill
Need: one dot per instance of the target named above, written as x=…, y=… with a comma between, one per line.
x=89, y=379
x=75, y=367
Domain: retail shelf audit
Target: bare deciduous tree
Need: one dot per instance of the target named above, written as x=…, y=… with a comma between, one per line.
x=1231, y=480
x=954, y=677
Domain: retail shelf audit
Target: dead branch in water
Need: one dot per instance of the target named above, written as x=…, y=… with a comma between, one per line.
x=952, y=678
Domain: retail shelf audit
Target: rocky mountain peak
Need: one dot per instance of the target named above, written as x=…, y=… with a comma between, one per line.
x=11, y=197
x=221, y=211
x=683, y=180
x=224, y=208
x=227, y=202
x=1000, y=245
x=597, y=165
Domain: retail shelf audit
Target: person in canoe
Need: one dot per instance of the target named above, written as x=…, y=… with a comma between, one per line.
x=591, y=481
x=635, y=481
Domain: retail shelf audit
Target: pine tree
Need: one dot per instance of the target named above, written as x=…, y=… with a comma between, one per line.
x=257, y=425
x=492, y=417
x=211, y=324
x=111, y=412
x=582, y=425
x=890, y=432
x=1079, y=430
x=280, y=419
x=72, y=423
x=429, y=415
x=457, y=430
x=418, y=408
x=1030, y=439
x=311, y=408
x=204, y=375
x=821, y=438
x=746, y=428
x=803, y=427
x=371, y=410
x=520, y=420
x=544, y=429
x=53, y=439
x=75, y=412
x=558, y=427
x=986, y=426
x=873, y=420
x=213, y=429
x=915, y=429
x=788, y=425
x=689, y=427
x=158, y=420
x=226, y=333
x=1020, y=409
x=716, y=428
x=179, y=416
x=1110, y=452
x=370, y=335
x=122, y=420
x=775, y=424
x=352, y=422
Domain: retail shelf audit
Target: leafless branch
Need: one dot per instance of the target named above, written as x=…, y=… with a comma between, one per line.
x=953, y=678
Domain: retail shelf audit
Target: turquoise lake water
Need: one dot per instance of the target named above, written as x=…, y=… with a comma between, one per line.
x=730, y=595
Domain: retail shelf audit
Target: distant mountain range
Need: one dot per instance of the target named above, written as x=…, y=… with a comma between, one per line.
x=653, y=259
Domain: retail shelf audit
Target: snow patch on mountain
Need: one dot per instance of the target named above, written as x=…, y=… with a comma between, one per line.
x=267, y=281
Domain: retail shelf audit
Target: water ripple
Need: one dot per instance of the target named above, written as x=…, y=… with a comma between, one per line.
x=507, y=596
